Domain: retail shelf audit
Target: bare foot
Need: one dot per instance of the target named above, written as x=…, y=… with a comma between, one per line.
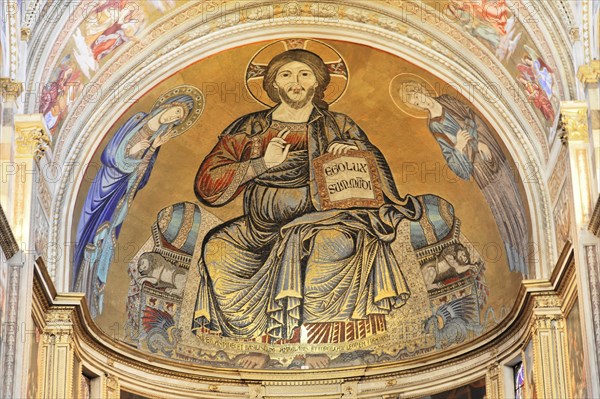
x=317, y=361
x=253, y=360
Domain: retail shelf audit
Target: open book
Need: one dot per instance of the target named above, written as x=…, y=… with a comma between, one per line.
x=348, y=180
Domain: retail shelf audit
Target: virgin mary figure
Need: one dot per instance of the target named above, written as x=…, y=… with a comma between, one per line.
x=127, y=163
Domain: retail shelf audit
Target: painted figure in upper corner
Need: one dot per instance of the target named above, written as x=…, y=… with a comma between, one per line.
x=58, y=94
x=116, y=23
x=127, y=162
x=537, y=79
x=493, y=12
x=470, y=150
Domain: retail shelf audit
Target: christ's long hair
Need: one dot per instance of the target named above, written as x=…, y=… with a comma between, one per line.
x=306, y=57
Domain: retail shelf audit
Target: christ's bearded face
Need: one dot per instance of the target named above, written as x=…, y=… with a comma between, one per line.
x=296, y=83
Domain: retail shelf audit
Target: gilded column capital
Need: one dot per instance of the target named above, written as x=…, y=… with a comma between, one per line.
x=32, y=138
x=589, y=73
x=547, y=313
x=548, y=322
x=574, y=121
x=10, y=89
x=59, y=325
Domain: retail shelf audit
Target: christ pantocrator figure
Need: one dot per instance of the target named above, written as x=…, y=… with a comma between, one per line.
x=287, y=263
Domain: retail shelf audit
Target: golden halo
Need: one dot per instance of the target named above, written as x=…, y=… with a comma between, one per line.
x=398, y=91
x=175, y=95
x=257, y=67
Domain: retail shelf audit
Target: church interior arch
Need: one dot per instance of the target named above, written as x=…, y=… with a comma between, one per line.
x=411, y=229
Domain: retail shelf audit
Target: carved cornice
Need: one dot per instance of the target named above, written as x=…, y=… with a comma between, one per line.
x=569, y=293
x=8, y=243
x=10, y=89
x=589, y=73
x=563, y=269
x=43, y=291
x=594, y=225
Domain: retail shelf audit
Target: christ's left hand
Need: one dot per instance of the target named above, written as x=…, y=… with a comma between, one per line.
x=341, y=148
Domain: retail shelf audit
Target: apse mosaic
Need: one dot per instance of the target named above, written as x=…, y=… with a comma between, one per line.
x=297, y=209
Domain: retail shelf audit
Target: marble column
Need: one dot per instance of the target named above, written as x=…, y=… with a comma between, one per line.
x=59, y=377
x=576, y=123
x=30, y=139
x=549, y=348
